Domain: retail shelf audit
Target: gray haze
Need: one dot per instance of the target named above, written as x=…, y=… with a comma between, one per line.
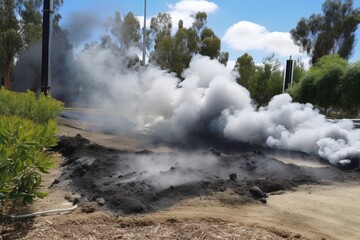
x=207, y=102
x=210, y=101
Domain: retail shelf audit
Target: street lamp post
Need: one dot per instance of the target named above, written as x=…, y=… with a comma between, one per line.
x=144, y=35
x=46, y=47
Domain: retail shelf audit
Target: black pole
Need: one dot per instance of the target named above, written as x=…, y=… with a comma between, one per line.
x=144, y=35
x=289, y=74
x=46, y=47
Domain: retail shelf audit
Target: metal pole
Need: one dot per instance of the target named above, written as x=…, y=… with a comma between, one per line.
x=289, y=74
x=46, y=47
x=144, y=35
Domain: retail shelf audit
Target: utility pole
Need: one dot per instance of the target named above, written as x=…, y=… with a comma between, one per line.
x=46, y=47
x=144, y=35
x=289, y=74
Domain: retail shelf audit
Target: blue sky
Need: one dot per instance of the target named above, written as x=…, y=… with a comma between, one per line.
x=257, y=27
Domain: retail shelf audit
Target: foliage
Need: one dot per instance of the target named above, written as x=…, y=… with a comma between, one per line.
x=332, y=32
x=22, y=157
x=350, y=89
x=305, y=90
x=26, y=105
x=322, y=84
x=174, y=52
x=27, y=126
x=299, y=71
x=331, y=69
x=20, y=27
x=245, y=66
x=126, y=31
x=266, y=82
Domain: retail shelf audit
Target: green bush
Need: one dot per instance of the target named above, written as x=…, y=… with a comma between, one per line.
x=350, y=88
x=26, y=105
x=22, y=157
x=27, y=127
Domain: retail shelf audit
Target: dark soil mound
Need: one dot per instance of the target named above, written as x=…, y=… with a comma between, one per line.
x=140, y=182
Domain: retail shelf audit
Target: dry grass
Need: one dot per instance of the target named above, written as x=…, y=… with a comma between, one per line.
x=107, y=227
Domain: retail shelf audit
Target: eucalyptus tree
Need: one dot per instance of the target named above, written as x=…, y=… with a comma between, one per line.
x=332, y=32
x=266, y=81
x=174, y=52
x=125, y=30
x=20, y=27
x=245, y=66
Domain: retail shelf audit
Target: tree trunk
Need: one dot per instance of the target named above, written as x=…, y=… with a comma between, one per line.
x=7, y=76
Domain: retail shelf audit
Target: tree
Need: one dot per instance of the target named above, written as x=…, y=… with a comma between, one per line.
x=331, y=69
x=203, y=40
x=266, y=81
x=322, y=83
x=126, y=31
x=174, y=52
x=299, y=71
x=223, y=58
x=20, y=27
x=350, y=89
x=160, y=26
x=245, y=66
x=210, y=44
x=330, y=33
x=305, y=90
x=160, y=32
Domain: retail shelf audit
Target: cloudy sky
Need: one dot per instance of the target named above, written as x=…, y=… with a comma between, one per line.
x=257, y=27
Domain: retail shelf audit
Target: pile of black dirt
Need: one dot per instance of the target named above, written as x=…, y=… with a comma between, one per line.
x=140, y=182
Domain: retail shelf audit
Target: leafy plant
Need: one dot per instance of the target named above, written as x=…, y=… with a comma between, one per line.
x=22, y=157
x=27, y=127
x=26, y=105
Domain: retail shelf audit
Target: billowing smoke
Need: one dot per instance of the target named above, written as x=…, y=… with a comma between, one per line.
x=207, y=103
x=210, y=102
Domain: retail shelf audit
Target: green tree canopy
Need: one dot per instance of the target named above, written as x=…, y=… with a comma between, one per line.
x=332, y=32
x=322, y=83
x=20, y=27
x=245, y=66
x=266, y=81
x=126, y=31
x=350, y=88
x=174, y=52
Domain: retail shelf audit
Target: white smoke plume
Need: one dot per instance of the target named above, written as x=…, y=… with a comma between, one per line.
x=210, y=101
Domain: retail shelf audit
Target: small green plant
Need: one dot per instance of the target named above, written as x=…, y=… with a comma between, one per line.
x=27, y=128
x=22, y=157
x=26, y=105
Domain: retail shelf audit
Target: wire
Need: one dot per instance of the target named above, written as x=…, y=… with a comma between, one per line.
x=42, y=212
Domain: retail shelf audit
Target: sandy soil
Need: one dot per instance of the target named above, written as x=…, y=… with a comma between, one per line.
x=306, y=212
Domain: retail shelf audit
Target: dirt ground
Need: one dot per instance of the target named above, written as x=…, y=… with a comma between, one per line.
x=324, y=206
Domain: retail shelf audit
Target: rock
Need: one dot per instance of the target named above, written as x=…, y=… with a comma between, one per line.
x=263, y=200
x=56, y=181
x=88, y=207
x=100, y=201
x=76, y=201
x=298, y=235
x=232, y=176
x=256, y=192
x=74, y=198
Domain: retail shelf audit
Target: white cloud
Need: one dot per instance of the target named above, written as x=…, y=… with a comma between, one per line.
x=185, y=9
x=247, y=36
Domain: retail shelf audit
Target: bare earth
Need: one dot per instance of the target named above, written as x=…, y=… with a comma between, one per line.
x=307, y=212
